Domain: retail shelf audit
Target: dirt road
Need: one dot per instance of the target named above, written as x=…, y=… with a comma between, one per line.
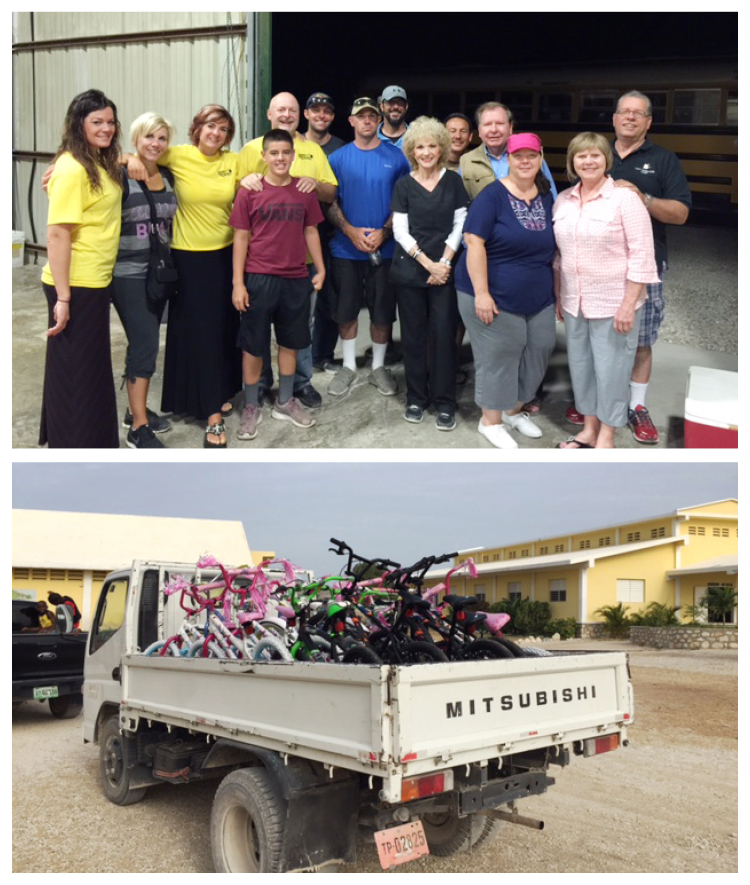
x=667, y=803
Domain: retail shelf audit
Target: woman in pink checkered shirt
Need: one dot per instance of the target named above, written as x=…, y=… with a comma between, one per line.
x=605, y=259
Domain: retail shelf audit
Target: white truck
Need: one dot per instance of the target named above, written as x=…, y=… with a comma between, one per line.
x=432, y=757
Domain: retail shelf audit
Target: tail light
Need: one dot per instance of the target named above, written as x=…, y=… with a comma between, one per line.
x=594, y=746
x=427, y=785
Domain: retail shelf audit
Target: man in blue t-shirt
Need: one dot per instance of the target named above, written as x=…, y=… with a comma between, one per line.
x=362, y=247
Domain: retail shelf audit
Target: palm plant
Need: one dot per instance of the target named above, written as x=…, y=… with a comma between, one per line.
x=721, y=602
x=616, y=619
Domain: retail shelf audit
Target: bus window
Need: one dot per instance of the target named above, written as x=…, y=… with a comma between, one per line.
x=444, y=103
x=659, y=106
x=696, y=107
x=522, y=105
x=732, y=109
x=556, y=107
x=596, y=107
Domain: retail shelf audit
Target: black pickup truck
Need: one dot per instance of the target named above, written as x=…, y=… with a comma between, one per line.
x=48, y=666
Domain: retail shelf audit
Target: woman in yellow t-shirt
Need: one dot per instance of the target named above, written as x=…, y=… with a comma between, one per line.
x=202, y=364
x=83, y=232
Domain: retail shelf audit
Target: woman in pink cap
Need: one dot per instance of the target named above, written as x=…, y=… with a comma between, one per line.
x=506, y=293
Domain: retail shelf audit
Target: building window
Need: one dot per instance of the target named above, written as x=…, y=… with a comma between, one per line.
x=558, y=590
x=631, y=590
x=605, y=542
x=485, y=559
x=479, y=592
x=559, y=548
x=584, y=545
x=633, y=537
x=514, y=590
x=512, y=554
x=495, y=557
x=658, y=533
x=543, y=551
x=525, y=552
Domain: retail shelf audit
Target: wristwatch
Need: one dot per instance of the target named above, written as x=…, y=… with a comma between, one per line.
x=647, y=200
x=445, y=261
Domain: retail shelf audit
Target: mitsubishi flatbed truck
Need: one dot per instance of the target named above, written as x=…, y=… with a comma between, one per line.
x=431, y=757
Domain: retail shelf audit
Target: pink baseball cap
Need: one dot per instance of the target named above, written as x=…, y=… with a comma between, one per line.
x=524, y=140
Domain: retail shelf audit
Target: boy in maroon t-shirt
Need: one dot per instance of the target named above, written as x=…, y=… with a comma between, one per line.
x=273, y=231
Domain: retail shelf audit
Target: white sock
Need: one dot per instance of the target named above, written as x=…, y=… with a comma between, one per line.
x=349, y=352
x=378, y=355
x=637, y=395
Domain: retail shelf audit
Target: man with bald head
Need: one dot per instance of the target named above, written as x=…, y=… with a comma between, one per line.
x=313, y=173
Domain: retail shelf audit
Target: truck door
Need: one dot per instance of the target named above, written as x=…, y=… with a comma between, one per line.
x=105, y=649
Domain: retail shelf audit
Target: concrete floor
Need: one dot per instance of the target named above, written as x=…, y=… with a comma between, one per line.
x=364, y=419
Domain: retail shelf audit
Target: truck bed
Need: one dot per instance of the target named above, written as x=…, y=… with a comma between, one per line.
x=388, y=721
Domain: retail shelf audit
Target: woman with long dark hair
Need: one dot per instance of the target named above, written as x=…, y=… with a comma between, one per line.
x=83, y=232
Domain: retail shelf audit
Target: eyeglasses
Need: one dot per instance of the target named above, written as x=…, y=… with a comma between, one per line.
x=628, y=112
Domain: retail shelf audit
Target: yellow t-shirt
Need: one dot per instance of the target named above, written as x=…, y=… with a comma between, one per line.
x=205, y=188
x=310, y=161
x=96, y=216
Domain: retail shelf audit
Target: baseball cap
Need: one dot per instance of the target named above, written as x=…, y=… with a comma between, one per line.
x=391, y=92
x=524, y=140
x=361, y=104
x=319, y=98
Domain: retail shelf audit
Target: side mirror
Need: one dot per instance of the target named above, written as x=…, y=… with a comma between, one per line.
x=63, y=619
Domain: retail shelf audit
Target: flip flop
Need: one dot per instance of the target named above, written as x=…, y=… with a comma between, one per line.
x=578, y=444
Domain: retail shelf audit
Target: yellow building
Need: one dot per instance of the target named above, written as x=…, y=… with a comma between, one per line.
x=670, y=559
x=71, y=553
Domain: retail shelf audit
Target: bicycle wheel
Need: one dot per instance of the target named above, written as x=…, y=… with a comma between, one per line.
x=269, y=648
x=484, y=649
x=512, y=647
x=360, y=654
x=421, y=653
x=318, y=650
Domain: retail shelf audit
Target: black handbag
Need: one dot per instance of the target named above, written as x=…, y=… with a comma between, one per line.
x=161, y=272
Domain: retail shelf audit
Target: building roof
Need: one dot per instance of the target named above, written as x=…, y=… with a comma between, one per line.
x=556, y=560
x=105, y=541
x=728, y=564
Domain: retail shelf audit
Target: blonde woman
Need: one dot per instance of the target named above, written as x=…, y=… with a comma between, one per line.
x=605, y=259
x=429, y=208
x=150, y=134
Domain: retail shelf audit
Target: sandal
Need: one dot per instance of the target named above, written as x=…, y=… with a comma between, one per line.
x=215, y=430
x=578, y=444
x=227, y=410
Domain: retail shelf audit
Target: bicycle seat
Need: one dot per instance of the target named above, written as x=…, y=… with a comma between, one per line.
x=457, y=603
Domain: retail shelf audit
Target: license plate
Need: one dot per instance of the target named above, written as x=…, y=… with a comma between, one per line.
x=399, y=845
x=45, y=691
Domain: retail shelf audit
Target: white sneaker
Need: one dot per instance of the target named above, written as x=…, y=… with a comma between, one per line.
x=497, y=435
x=523, y=424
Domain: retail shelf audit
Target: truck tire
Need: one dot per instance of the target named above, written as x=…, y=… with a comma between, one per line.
x=66, y=707
x=448, y=834
x=115, y=751
x=247, y=823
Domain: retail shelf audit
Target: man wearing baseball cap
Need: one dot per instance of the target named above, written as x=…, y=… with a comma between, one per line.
x=393, y=106
x=367, y=170
x=319, y=113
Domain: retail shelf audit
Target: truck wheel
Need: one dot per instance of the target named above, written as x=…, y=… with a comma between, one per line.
x=483, y=829
x=114, y=754
x=66, y=707
x=247, y=823
x=447, y=833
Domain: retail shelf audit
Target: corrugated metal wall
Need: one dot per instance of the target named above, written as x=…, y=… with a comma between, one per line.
x=171, y=63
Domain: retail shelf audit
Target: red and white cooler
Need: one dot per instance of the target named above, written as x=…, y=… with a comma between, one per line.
x=711, y=409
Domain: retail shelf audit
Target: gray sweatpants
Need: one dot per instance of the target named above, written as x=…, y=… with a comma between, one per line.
x=601, y=362
x=511, y=354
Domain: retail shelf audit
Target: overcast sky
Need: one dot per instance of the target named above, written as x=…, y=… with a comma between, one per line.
x=397, y=510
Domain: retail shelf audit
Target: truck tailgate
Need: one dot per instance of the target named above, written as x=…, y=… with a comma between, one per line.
x=392, y=722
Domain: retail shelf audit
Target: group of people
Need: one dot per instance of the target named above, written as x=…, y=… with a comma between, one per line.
x=300, y=232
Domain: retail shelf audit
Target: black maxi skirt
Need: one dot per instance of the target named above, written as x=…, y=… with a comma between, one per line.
x=79, y=409
x=202, y=363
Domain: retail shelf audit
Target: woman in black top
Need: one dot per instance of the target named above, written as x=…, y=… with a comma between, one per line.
x=429, y=208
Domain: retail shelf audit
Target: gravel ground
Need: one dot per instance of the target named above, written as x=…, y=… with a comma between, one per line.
x=665, y=804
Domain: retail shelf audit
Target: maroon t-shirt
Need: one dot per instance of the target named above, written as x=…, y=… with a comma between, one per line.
x=276, y=218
